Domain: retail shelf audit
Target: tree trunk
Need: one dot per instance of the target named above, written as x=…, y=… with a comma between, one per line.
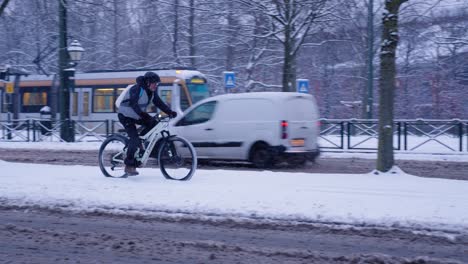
x=369, y=99
x=385, y=159
x=176, y=33
x=289, y=66
x=232, y=31
x=115, y=37
x=192, y=33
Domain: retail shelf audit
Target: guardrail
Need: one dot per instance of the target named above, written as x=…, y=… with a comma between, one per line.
x=431, y=136
x=14, y=130
x=420, y=135
x=35, y=130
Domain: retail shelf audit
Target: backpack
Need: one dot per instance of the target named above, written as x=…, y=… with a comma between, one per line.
x=122, y=95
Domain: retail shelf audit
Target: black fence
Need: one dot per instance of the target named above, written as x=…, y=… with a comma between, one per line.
x=335, y=134
x=35, y=130
x=409, y=135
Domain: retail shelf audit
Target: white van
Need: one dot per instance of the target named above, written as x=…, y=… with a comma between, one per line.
x=261, y=128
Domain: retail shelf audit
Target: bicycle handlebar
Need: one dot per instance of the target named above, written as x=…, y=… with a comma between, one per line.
x=160, y=118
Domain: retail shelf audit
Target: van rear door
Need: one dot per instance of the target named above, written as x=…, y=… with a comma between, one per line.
x=242, y=122
x=301, y=116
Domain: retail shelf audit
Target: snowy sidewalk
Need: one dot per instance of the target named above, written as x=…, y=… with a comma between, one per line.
x=386, y=200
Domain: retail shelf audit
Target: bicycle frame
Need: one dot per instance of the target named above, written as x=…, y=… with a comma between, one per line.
x=152, y=137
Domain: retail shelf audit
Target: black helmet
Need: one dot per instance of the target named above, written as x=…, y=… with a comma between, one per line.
x=152, y=77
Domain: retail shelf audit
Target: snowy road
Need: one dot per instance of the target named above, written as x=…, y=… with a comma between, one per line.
x=45, y=237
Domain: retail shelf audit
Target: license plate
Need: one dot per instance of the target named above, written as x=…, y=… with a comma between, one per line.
x=297, y=142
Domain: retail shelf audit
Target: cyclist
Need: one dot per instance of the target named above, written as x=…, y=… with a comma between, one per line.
x=132, y=111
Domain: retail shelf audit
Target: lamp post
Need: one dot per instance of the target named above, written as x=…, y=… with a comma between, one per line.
x=75, y=50
x=370, y=60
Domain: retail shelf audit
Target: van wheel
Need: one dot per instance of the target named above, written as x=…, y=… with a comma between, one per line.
x=261, y=156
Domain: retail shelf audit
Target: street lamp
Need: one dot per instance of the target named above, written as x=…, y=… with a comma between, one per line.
x=75, y=50
x=370, y=60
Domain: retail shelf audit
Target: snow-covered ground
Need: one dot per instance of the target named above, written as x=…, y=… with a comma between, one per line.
x=390, y=200
x=393, y=199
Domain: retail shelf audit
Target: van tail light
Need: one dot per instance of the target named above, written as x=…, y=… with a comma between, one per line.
x=284, y=129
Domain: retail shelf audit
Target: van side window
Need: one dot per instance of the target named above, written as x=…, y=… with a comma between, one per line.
x=199, y=115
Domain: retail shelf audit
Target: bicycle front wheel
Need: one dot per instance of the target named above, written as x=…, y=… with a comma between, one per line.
x=177, y=159
x=112, y=155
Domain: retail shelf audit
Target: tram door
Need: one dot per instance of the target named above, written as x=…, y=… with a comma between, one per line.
x=80, y=107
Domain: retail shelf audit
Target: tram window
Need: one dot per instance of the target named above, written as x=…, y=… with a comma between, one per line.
x=184, y=102
x=33, y=101
x=103, y=100
x=86, y=103
x=166, y=96
x=118, y=92
x=198, y=92
x=74, y=104
x=3, y=103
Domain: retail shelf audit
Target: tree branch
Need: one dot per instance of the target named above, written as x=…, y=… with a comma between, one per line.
x=3, y=6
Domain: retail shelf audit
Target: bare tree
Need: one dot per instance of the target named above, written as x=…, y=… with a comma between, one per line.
x=328, y=50
x=385, y=157
x=3, y=6
x=232, y=29
x=292, y=21
x=257, y=48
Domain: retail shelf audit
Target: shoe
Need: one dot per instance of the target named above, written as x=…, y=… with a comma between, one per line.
x=130, y=171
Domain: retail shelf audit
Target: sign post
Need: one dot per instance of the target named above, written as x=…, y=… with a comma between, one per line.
x=9, y=90
x=302, y=85
x=229, y=80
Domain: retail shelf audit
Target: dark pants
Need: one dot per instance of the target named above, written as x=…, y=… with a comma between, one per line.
x=134, y=138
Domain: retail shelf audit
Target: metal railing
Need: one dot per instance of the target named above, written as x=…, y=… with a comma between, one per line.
x=34, y=130
x=436, y=132
x=91, y=130
x=419, y=135
x=332, y=133
x=409, y=135
x=466, y=133
x=15, y=130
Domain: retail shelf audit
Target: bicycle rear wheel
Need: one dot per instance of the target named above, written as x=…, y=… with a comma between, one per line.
x=112, y=155
x=177, y=159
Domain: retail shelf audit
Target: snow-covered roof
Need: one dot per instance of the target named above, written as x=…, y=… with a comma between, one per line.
x=182, y=74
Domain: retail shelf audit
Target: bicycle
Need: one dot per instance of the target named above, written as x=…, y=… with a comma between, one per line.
x=176, y=156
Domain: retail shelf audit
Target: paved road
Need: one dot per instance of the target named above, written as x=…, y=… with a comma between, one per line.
x=440, y=169
x=32, y=236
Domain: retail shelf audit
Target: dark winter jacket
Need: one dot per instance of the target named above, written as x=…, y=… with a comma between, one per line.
x=138, y=98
